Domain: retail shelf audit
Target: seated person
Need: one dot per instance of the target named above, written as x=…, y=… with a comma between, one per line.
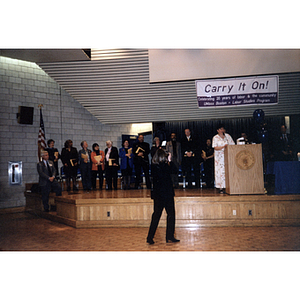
x=47, y=179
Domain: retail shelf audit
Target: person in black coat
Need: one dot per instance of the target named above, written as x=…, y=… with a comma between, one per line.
x=111, y=165
x=125, y=153
x=53, y=154
x=190, y=158
x=47, y=181
x=85, y=165
x=69, y=158
x=163, y=195
x=208, y=164
x=284, y=146
x=156, y=145
x=141, y=150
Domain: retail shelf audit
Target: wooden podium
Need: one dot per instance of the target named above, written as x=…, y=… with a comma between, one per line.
x=244, y=169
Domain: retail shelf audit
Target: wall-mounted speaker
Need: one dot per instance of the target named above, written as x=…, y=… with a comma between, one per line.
x=25, y=115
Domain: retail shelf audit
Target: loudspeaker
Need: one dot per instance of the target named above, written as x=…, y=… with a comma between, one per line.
x=25, y=115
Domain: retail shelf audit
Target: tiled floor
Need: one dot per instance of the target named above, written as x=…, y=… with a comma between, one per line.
x=25, y=232
x=117, y=263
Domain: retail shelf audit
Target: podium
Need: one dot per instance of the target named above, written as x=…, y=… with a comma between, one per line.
x=244, y=169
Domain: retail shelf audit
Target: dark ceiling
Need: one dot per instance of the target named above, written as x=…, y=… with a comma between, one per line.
x=47, y=55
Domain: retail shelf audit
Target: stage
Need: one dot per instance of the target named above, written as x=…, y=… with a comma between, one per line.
x=194, y=208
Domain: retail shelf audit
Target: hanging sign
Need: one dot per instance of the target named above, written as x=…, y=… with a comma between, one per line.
x=237, y=91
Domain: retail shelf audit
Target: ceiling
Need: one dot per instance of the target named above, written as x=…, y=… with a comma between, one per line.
x=113, y=85
x=47, y=55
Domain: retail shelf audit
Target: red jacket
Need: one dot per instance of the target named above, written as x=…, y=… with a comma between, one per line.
x=94, y=161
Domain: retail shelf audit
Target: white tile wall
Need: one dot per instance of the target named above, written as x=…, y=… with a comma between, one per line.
x=25, y=84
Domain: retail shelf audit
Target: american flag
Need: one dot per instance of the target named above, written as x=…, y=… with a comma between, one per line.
x=41, y=139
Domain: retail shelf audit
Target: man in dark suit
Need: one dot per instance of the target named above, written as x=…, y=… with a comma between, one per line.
x=111, y=165
x=284, y=146
x=47, y=179
x=190, y=158
x=141, y=151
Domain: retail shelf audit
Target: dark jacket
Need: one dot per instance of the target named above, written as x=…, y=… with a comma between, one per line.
x=153, y=150
x=146, y=150
x=170, y=148
x=191, y=145
x=43, y=172
x=114, y=155
x=67, y=155
x=162, y=183
x=124, y=159
x=284, y=145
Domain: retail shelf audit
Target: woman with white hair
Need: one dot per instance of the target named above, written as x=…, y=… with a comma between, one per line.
x=111, y=165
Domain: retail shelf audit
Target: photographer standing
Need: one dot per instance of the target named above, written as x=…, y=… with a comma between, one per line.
x=163, y=195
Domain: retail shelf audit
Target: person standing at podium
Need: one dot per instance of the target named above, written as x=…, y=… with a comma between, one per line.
x=220, y=142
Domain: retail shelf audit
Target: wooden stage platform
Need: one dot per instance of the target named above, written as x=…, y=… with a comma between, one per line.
x=194, y=208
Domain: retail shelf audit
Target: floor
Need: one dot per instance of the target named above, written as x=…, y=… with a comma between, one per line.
x=39, y=255
x=25, y=232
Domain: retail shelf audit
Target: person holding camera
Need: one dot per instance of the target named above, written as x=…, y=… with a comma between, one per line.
x=163, y=195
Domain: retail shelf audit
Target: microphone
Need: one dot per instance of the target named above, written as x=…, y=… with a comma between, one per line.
x=225, y=138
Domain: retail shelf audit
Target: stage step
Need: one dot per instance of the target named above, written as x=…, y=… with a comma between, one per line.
x=194, y=208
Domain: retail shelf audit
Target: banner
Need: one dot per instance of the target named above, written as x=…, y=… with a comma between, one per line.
x=237, y=91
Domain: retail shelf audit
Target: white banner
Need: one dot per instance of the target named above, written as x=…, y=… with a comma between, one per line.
x=237, y=91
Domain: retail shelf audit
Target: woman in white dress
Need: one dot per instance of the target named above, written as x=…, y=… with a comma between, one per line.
x=220, y=141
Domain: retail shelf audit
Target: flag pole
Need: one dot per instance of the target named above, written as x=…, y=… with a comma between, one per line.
x=41, y=136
